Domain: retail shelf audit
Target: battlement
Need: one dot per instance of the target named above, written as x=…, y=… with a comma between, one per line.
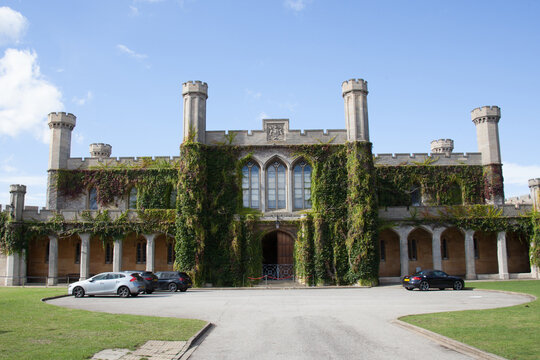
x=17, y=188
x=443, y=159
x=354, y=85
x=112, y=162
x=534, y=182
x=519, y=200
x=195, y=87
x=61, y=118
x=442, y=146
x=100, y=150
x=406, y=213
x=486, y=113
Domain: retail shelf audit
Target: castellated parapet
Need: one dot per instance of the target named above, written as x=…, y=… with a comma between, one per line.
x=442, y=146
x=356, y=112
x=194, y=95
x=486, y=119
x=100, y=150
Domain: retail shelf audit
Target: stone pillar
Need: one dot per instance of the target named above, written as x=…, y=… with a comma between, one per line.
x=403, y=233
x=150, y=251
x=53, y=261
x=12, y=270
x=16, y=262
x=436, y=248
x=85, y=256
x=195, y=94
x=117, y=255
x=470, y=262
x=502, y=256
x=354, y=93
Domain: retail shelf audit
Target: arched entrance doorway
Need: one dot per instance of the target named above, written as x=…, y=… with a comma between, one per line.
x=277, y=251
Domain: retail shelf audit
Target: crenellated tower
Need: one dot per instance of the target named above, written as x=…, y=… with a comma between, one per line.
x=194, y=94
x=534, y=187
x=442, y=146
x=486, y=119
x=100, y=150
x=356, y=112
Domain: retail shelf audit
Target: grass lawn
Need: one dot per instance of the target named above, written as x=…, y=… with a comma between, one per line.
x=512, y=332
x=31, y=329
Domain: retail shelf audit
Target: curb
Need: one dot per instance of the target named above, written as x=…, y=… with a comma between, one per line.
x=191, y=341
x=450, y=343
x=55, y=297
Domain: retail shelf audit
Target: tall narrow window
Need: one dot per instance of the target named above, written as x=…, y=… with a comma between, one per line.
x=92, y=199
x=416, y=195
x=250, y=185
x=141, y=252
x=132, y=201
x=476, y=250
x=444, y=249
x=172, y=198
x=78, y=253
x=383, y=251
x=108, y=253
x=276, y=186
x=412, y=250
x=302, y=186
x=170, y=253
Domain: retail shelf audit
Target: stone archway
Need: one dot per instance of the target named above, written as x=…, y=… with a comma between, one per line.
x=278, y=255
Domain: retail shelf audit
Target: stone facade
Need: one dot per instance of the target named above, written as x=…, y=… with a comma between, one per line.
x=404, y=248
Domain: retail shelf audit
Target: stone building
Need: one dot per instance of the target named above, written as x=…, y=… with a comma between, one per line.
x=423, y=221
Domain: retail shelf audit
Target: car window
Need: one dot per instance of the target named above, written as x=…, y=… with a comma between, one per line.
x=99, y=277
x=440, y=273
x=109, y=276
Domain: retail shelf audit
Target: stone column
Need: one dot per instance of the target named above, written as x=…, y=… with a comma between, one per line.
x=150, y=251
x=117, y=255
x=53, y=261
x=436, y=248
x=22, y=268
x=262, y=189
x=85, y=256
x=404, y=249
x=12, y=269
x=290, y=190
x=502, y=256
x=470, y=262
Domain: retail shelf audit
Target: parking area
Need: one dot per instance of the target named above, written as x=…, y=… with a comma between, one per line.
x=329, y=323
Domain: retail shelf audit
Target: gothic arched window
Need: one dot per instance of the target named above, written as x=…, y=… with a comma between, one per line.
x=250, y=185
x=92, y=199
x=132, y=200
x=416, y=195
x=302, y=186
x=276, y=186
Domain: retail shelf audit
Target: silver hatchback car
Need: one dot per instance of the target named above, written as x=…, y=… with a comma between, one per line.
x=115, y=283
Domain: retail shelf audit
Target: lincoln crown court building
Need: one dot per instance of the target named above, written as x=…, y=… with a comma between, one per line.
x=276, y=184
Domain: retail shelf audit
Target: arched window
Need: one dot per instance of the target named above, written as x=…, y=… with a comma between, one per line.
x=250, y=185
x=416, y=195
x=276, y=186
x=132, y=200
x=302, y=186
x=141, y=252
x=92, y=199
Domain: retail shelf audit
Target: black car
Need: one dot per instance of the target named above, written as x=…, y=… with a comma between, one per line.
x=173, y=280
x=426, y=279
x=150, y=280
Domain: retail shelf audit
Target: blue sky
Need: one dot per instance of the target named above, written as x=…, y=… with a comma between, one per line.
x=118, y=66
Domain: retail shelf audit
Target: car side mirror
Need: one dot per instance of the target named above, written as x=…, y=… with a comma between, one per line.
x=91, y=280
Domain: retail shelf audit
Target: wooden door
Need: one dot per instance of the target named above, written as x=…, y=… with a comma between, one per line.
x=285, y=248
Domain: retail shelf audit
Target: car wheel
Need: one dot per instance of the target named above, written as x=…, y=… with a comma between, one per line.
x=123, y=292
x=78, y=292
x=458, y=285
x=424, y=285
x=183, y=289
x=173, y=287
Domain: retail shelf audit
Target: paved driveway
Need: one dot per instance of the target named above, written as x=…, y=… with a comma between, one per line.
x=322, y=323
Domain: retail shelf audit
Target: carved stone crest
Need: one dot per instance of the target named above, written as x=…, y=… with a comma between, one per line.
x=275, y=132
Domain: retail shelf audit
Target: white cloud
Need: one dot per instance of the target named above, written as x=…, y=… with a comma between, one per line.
x=13, y=25
x=26, y=97
x=79, y=139
x=262, y=115
x=133, y=10
x=295, y=5
x=124, y=49
x=82, y=101
x=253, y=94
x=519, y=174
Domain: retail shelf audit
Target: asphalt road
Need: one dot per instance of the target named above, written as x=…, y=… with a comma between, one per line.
x=321, y=323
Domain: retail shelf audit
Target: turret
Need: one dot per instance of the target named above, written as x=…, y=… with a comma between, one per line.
x=17, y=193
x=442, y=146
x=195, y=94
x=534, y=186
x=356, y=112
x=61, y=125
x=100, y=150
x=486, y=119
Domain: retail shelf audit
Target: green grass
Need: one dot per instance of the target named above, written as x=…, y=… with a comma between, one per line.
x=31, y=329
x=512, y=332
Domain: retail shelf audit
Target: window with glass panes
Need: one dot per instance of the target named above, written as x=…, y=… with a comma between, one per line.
x=132, y=201
x=276, y=186
x=250, y=185
x=302, y=186
x=92, y=199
